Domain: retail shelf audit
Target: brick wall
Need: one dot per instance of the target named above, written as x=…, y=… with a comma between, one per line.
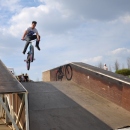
x=46, y=76
x=109, y=88
x=113, y=90
x=50, y=75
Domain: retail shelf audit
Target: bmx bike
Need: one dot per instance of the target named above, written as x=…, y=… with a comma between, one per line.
x=66, y=71
x=30, y=55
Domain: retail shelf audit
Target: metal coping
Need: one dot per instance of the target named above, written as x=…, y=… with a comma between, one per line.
x=102, y=72
x=8, y=83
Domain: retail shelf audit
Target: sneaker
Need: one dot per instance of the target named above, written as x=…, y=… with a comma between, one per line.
x=37, y=47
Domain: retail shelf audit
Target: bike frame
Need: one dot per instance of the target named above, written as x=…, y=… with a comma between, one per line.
x=30, y=55
x=62, y=69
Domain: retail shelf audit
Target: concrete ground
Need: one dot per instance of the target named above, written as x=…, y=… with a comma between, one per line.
x=67, y=106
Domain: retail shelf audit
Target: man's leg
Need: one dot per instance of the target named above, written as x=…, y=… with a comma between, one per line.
x=37, y=42
x=26, y=45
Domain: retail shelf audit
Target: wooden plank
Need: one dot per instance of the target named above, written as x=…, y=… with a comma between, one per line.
x=3, y=126
x=8, y=113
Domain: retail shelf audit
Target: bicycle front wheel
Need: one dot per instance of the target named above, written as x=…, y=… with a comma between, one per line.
x=68, y=72
x=32, y=55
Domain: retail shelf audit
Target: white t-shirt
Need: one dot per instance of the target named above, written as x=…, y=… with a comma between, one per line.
x=31, y=31
x=105, y=67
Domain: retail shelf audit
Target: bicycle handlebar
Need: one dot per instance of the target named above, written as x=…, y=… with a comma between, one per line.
x=29, y=41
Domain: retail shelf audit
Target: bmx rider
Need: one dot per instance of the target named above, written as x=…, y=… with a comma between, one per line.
x=31, y=34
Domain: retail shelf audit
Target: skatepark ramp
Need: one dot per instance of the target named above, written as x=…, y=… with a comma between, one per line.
x=111, y=86
x=68, y=106
x=94, y=99
x=13, y=101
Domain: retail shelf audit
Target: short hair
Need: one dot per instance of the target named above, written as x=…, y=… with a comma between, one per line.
x=34, y=22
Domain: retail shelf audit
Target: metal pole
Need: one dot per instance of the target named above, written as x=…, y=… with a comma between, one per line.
x=6, y=116
x=0, y=110
x=12, y=112
x=26, y=111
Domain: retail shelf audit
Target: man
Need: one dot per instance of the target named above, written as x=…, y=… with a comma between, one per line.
x=30, y=34
x=105, y=67
x=22, y=77
x=26, y=77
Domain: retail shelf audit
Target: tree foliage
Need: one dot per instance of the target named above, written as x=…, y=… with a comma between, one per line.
x=124, y=72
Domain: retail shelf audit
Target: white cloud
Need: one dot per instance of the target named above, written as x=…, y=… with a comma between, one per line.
x=121, y=52
x=21, y=21
x=11, y=5
x=92, y=10
x=61, y=16
x=50, y=20
x=125, y=19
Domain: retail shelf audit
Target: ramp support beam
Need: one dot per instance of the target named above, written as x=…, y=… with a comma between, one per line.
x=6, y=110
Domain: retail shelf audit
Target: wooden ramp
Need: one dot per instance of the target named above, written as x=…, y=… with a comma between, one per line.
x=13, y=100
x=67, y=106
x=3, y=126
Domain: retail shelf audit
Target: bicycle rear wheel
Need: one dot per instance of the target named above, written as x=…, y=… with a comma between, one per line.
x=28, y=62
x=59, y=76
x=68, y=72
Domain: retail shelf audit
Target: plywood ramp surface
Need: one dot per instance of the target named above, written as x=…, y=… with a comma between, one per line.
x=67, y=106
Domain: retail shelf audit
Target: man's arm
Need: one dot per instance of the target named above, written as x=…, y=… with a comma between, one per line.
x=24, y=35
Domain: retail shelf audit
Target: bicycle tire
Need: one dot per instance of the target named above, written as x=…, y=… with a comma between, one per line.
x=28, y=62
x=32, y=55
x=58, y=76
x=68, y=72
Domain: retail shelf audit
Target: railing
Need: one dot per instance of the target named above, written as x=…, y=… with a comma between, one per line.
x=14, y=110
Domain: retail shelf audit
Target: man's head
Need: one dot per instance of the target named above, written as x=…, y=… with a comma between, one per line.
x=34, y=24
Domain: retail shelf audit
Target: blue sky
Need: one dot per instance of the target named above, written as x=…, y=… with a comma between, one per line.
x=87, y=31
